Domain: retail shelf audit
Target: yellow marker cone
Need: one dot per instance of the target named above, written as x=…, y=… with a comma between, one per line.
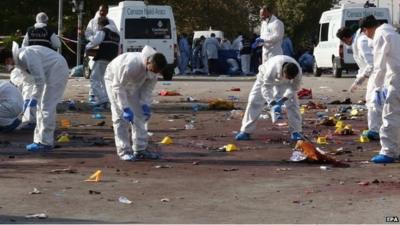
x=354, y=112
x=63, y=139
x=96, y=177
x=322, y=141
x=363, y=139
x=167, y=141
x=303, y=109
x=339, y=130
x=231, y=147
x=340, y=124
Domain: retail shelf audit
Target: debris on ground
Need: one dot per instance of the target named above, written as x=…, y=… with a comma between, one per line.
x=325, y=168
x=65, y=123
x=235, y=89
x=220, y=104
x=347, y=101
x=167, y=140
x=101, y=123
x=66, y=170
x=169, y=93
x=63, y=138
x=162, y=166
x=231, y=169
x=328, y=122
x=312, y=154
x=305, y=93
x=36, y=216
x=93, y=192
x=165, y=200
x=95, y=177
x=35, y=191
x=313, y=105
x=124, y=200
x=229, y=148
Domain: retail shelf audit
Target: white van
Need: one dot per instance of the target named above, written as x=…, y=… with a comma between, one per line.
x=140, y=24
x=330, y=52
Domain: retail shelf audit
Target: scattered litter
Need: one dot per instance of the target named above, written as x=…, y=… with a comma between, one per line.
x=101, y=123
x=363, y=183
x=347, y=101
x=63, y=138
x=95, y=177
x=298, y=156
x=35, y=191
x=322, y=140
x=36, y=216
x=167, y=140
x=196, y=163
x=169, y=93
x=231, y=169
x=190, y=99
x=264, y=116
x=376, y=181
x=233, y=98
x=220, y=104
x=165, y=200
x=236, y=114
x=162, y=166
x=98, y=116
x=65, y=123
x=341, y=151
x=189, y=126
x=124, y=200
x=235, y=89
x=305, y=93
x=196, y=107
x=93, y=192
x=67, y=170
x=229, y=148
x=328, y=122
x=325, y=168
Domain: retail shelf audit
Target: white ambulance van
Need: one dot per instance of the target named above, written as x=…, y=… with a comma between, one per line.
x=140, y=24
x=330, y=52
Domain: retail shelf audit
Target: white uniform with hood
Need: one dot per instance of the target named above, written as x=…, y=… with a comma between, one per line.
x=25, y=84
x=129, y=84
x=362, y=53
x=93, y=26
x=11, y=103
x=271, y=85
x=49, y=72
x=272, y=32
x=386, y=74
x=97, y=85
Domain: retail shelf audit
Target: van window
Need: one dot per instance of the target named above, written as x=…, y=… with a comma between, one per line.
x=324, y=32
x=145, y=28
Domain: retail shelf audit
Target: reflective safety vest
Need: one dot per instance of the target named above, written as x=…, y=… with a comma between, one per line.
x=108, y=49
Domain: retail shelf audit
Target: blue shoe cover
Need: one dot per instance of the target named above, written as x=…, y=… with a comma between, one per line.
x=36, y=147
x=242, y=136
x=382, y=159
x=372, y=135
x=296, y=136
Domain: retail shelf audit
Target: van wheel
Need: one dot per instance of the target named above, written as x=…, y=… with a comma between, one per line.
x=336, y=70
x=316, y=71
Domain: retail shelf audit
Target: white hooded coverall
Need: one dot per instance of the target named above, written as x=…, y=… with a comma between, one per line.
x=11, y=103
x=25, y=85
x=97, y=85
x=272, y=32
x=49, y=72
x=271, y=85
x=386, y=74
x=129, y=84
x=362, y=53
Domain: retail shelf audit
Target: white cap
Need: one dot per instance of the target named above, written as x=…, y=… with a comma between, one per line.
x=41, y=18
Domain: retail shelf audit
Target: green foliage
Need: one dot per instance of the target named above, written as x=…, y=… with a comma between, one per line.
x=231, y=16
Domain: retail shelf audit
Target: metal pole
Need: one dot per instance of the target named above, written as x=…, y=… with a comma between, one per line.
x=79, y=44
x=60, y=21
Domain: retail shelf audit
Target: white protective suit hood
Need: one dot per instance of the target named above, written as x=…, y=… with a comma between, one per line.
x=42, y=18
x=15, y=51
x=147, y=51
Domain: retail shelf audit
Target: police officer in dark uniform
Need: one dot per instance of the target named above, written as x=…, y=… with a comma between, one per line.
x=41, y=34
x=107, y=40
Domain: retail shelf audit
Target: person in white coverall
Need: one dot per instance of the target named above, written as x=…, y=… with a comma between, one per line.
x=210, y=51
x=386, y=78
x=278, y=81
x=11, y=106
x=90, y=31
x=49, y=70
x=362, y=53
x=271, y=34
x=130, y=79
x=25, y=84
x=107, y=40
x=41, y=34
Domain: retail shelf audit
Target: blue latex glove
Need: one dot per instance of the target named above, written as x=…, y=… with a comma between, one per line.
x=32, y=103
x=128, y=114
x=277, y=108
x=281, y=101
x=146, y=111
x=378, y=98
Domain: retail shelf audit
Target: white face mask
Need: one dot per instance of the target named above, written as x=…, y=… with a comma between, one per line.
x=9, y=67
